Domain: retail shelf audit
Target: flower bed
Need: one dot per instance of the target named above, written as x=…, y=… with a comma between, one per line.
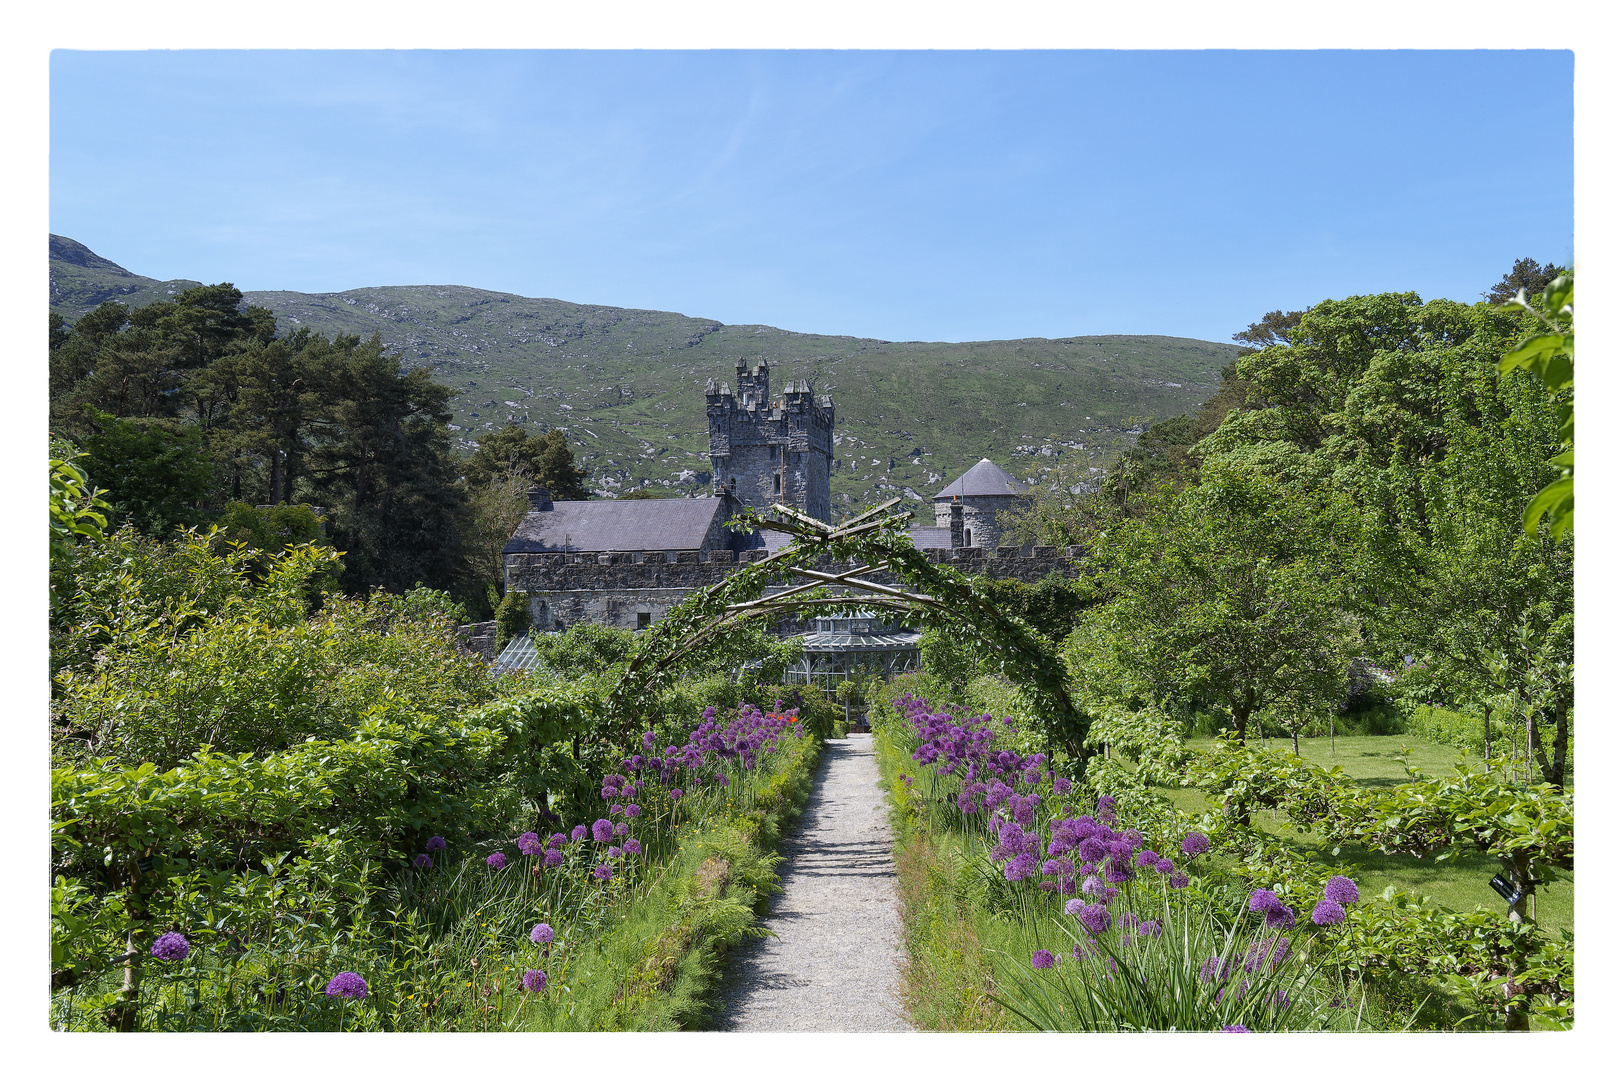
x=545, y=931
x=1105, y=926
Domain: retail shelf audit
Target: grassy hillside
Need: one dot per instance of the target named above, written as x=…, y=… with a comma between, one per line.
x=626, y=384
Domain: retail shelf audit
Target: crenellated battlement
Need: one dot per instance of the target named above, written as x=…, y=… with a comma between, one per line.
x=766, y=450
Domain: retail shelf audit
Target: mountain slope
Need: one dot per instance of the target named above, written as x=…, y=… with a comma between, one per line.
x=626, y=384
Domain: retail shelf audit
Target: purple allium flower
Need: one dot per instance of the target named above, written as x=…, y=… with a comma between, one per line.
x=1095, y=918
x=496, y=861
x=602, y=830
x=1146, y=858
x=346, y=984
x=542, y=934
x=620, y=829
x=1196, y=844
x=648, y=740
x=1281, y=918
x=423, y=862
x=1062, y=786
x=615, y=852
x=1164, y=866
x=633, y=846
x=435, y=843
x=633, y=810
x=557, y=840
x=1212, y=968
x=1092, y=885
x=171, y=946
x=1235, y=1027
x=1109, y=893
x=1091, y=850
x=552, y=858
x=1341, y=890
x=1075, y=906
x=1328, y=913
x=604, y=872
x=616, y=808
x=1117, y=873
x=529, y=844
x=1149, y=928
x=1178, y=880
x=1020, y=867
x=1262, y=901
x=535, y=980
x=1042, y=959
x=721, y=780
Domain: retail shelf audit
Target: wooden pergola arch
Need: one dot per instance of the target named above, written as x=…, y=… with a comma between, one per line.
x=932, y=595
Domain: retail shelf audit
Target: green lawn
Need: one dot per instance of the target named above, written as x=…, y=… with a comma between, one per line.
x=1373, y=762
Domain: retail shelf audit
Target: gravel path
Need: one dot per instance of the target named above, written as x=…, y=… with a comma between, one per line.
x=835, y=964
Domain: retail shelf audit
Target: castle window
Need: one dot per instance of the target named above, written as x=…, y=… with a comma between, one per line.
x=777, y=483
x=645, y=619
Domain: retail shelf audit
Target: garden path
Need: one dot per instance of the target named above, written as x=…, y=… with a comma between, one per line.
x=836, y=962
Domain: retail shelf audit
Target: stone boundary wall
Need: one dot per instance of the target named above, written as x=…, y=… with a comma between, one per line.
x=615, y=588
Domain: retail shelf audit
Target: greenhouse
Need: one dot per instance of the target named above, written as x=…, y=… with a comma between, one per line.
x=853, y=646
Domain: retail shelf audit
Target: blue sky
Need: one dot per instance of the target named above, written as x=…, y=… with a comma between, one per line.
x=900, y=195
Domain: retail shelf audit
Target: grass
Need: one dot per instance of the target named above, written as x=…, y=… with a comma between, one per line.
x=1373, y=761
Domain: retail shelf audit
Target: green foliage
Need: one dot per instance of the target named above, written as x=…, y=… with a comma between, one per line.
x=543, y=458
x=191, y=403
x=157, y=470
x=76, y=511
x=1227, y=593
x=162, y=648
x=1549, y=354
x=512, y=618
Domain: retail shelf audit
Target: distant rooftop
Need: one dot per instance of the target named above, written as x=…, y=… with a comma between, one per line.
x=984, y=478
x=622, y=525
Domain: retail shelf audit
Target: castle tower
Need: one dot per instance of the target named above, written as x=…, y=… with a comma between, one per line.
x=975, y=499
x=765, y=451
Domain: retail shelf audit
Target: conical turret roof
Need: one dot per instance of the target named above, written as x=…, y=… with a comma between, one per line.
x=984, y=478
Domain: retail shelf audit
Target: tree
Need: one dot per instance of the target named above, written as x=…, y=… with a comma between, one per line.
x=545, y=458
x=1525, y=276
x=379, y=458
x=157, y=471
x=494, y=511
x=1231, y=592
x=1272, y=329
x=556, y=471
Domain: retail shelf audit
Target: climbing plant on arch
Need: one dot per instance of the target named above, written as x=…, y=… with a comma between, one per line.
x=846, y=556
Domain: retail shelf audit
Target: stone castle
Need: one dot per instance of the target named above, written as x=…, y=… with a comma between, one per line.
x=764, y=451
x=625, y=562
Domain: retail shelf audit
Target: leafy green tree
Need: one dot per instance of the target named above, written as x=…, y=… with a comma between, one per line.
x=545, y=458
x=157, y=471
x=556, y=471
x=1231, y=593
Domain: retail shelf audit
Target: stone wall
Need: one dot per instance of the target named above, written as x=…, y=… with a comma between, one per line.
x=614, y=588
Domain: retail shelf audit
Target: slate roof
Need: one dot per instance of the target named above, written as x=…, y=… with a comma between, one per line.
x=984, y=478
x=930, y=536
x=621, y=525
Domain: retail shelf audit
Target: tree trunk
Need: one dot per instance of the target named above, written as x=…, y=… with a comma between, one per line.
x=128, y=1008
x=1563, y=715
x=1525, y=910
